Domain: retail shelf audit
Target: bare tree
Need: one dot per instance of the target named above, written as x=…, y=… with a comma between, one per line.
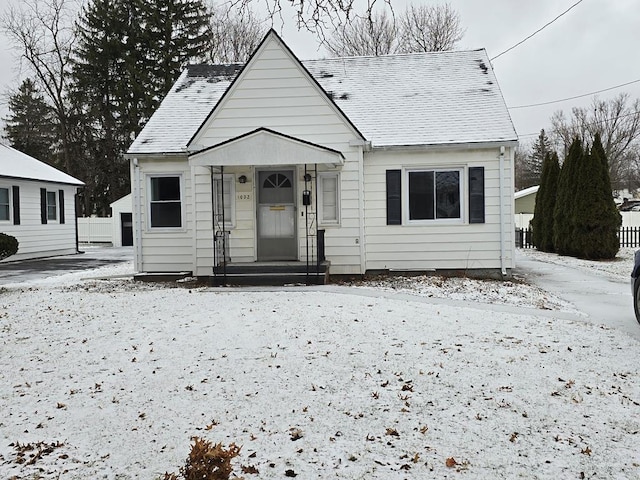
x=424, y=28
x=618, y=123
x=374, y=35
x=42, y=31
x=430, y=28
x=234, y=36
x=317, y=16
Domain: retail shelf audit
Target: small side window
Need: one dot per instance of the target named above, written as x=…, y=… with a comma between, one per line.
x=5, y=205
x=329, y=198
x=165, y=205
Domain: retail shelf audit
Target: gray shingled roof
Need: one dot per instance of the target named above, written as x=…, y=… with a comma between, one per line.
x=413, y=99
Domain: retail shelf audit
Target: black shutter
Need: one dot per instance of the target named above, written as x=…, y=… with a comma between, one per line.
x=394, y=197
x=43, y=206
x=16, y=204
x=476, y=194
x=61, y=202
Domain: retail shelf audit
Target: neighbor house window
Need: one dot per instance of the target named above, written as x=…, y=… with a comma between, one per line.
x=4, y=205
x=52, y=206
x=329, y=198
x=165, y=201
x=434, y=194
x=223, y=200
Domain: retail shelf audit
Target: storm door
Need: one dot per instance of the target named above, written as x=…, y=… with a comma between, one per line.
x=276, y=216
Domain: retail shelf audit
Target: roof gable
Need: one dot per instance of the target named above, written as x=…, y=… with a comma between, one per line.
x=263, y=74
x=15, y=164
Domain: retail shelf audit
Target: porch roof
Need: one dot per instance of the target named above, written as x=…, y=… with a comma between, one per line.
x=265, y=147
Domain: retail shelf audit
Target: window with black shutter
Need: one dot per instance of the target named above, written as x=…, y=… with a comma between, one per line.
x=394, y=197
x=476, y=195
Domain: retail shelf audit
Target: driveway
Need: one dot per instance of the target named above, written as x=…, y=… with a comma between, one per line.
x=92, y=257
x=604, y=300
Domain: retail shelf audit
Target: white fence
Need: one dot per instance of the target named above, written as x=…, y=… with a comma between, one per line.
x=629, y=219
x=95, y=230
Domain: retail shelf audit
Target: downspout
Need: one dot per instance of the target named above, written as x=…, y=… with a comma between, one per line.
x=503, y=269
x=213, y=225
x=361, y=239
x=137, y=215
x=75, y=209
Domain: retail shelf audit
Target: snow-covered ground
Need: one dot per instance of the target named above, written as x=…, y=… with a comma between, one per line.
x=111, y=379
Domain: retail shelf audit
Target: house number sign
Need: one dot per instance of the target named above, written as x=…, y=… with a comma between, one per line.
x=243, y=196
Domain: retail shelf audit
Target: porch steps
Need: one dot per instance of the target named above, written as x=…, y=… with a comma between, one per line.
x=271, y=273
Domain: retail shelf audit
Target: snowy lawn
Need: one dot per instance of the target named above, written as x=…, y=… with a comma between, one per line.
x=110, y=379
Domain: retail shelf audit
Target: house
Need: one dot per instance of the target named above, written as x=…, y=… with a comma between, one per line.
x=37, y=206
x=525, y=200
x=122, y=222
x=372, y=164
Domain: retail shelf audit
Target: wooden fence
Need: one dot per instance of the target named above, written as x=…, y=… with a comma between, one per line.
x=628, y=236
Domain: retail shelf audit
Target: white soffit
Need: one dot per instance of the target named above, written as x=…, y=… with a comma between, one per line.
x=265, y=148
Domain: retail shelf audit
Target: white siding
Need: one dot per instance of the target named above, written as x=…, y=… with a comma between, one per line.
x=438, y=245
x=164, y=250
x=35, y=239
x=123, y=205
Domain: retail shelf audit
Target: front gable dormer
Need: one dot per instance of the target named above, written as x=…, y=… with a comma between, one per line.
x=275, y=91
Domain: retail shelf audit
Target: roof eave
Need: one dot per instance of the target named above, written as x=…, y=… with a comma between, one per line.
x=447, y=146
x=76, y=183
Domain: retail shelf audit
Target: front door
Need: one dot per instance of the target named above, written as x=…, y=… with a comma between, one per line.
x=276, y=216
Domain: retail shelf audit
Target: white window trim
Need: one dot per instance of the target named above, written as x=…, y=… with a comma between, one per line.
x=57, y=204
x=321, y=177
x=436, y=221
x=10, y=196
x=149, y=227
x=229, y=223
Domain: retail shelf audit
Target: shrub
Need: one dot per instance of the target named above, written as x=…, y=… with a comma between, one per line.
x=206, y=461
x=8, y=246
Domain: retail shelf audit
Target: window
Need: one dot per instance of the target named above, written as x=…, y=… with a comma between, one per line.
x=228, y=202
x=434, y=194
x=329, y=201
x=52, y=206
x=165, y=202
x=4, y=205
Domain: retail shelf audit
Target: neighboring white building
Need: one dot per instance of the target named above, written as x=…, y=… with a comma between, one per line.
x=525, y=200
x=37, y=206
x=122, y=222
x=403, y=162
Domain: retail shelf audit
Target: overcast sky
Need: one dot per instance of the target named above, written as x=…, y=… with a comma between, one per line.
x=593, y=47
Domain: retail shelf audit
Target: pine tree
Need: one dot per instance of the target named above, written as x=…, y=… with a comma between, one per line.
x=129, y=53
x=542, y=223
x=30, y=126
x=100, y=79
x=563, y=217
x=177, y=32
x=539, y=151
x=597, y=220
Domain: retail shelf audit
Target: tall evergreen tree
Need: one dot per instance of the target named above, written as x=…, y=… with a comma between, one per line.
x=542, y=223
x=128, y=55
x=597, y=220
x=176, y=32
x=30, y=126
x=563, y=219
